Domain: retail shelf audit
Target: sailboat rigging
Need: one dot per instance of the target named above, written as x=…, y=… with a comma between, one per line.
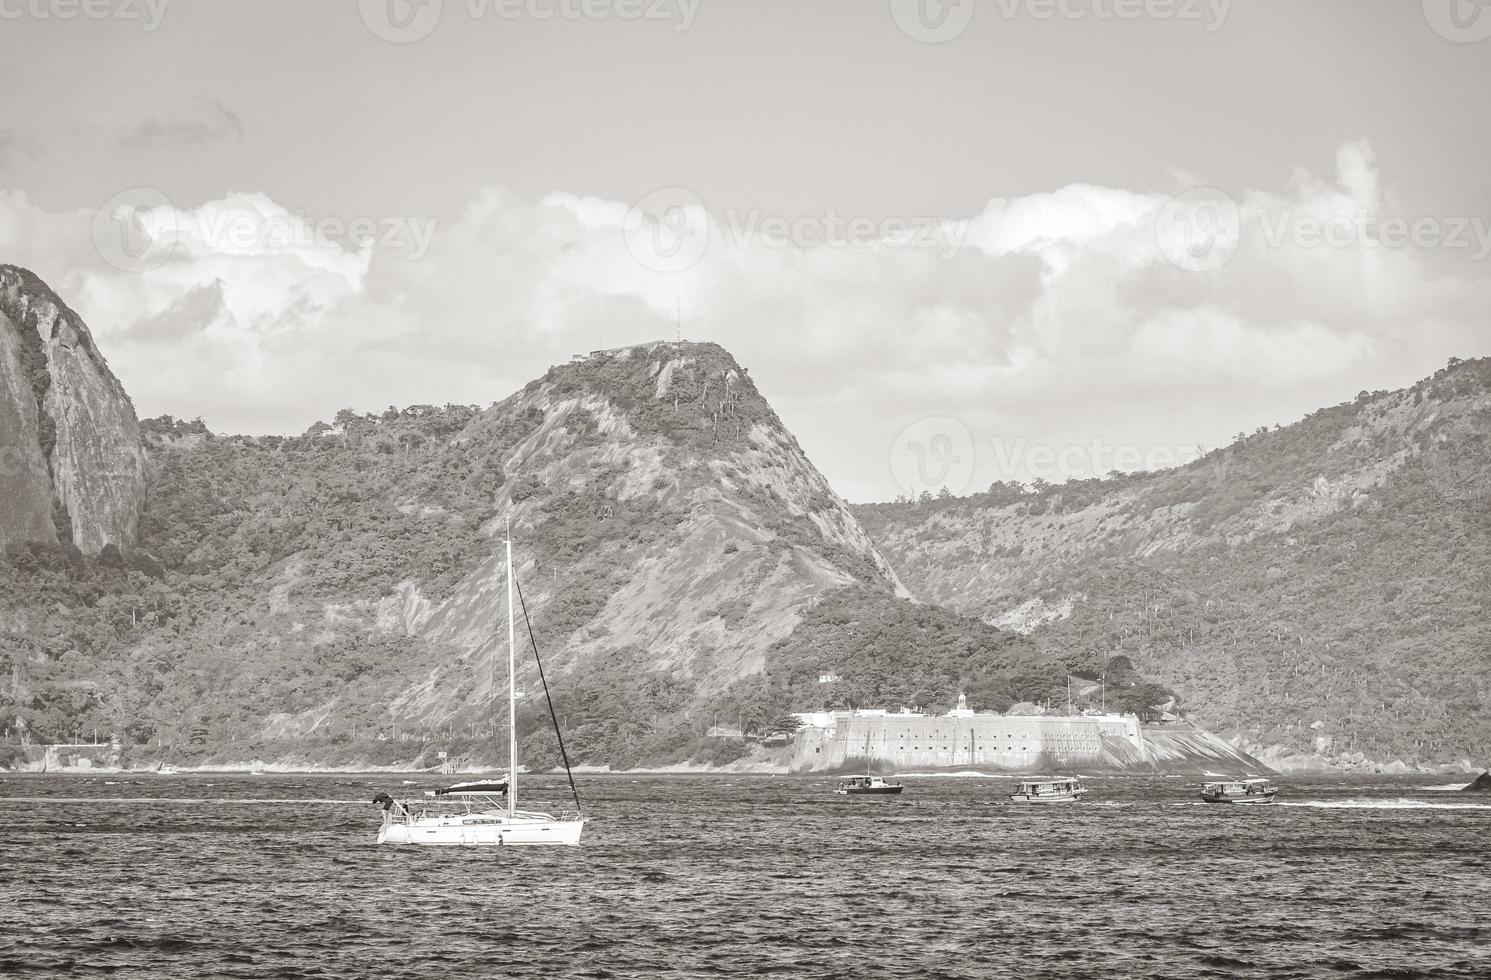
x=473, y=813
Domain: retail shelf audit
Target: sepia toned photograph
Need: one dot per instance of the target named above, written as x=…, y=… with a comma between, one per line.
x=681, y=489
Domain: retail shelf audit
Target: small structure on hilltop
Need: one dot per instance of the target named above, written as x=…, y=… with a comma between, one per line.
x=1480, y=784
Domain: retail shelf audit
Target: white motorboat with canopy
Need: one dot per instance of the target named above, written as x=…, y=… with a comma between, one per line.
x=1251, y=792
x=866, y=786
x=869, y=784
x=485, y=811
x=1065, y=790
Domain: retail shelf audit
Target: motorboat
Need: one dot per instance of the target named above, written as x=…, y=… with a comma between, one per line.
x=1255, y=792
x=869, y=784
x=1067, y=790
x=866, y=786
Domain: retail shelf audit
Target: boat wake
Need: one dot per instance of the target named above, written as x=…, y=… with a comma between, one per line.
x=1399, y=804
x=170, y=800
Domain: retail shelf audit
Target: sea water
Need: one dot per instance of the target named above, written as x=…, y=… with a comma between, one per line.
x=207, y=875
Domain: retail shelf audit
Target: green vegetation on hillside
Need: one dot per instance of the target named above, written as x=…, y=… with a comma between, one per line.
x=862, y=647
x=1323, y=586
x=329, y=597
x=176, y=640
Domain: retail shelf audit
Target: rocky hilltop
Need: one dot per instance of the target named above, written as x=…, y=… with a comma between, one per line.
x=72, y=468
x=1319, y=591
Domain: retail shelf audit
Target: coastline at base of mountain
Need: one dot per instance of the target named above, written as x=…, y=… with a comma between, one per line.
x=761, y=760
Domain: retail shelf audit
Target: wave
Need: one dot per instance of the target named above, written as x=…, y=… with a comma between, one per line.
x=109, y=800
x=1398, y=804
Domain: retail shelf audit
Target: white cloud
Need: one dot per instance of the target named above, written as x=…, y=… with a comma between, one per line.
x=1059, y=321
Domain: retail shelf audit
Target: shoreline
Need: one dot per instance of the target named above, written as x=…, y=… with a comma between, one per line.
x=1326, y=772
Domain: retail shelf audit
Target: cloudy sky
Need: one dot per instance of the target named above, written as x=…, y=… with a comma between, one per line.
x=953, y=242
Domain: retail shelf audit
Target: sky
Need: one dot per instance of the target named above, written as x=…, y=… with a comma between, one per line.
x=954, y=242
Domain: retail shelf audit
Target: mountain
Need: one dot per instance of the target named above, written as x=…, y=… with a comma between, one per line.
x=72, y=467
x=339, y=594
x=1318, y=590
x=336, y=597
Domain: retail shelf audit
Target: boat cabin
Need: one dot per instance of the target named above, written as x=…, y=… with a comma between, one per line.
x=459, y=799
x=479, y=787
x=860, y=781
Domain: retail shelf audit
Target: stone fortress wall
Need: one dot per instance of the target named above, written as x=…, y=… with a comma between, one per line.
x=888, y=742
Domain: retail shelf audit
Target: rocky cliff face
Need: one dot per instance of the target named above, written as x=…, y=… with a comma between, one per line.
x=71, y=462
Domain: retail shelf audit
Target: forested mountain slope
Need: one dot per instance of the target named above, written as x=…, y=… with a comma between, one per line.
x=1320, y=588
x=301, y=594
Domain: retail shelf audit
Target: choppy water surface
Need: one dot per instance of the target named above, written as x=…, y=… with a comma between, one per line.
x=188, y=876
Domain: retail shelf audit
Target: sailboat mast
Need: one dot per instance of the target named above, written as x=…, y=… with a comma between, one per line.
x=512, y=692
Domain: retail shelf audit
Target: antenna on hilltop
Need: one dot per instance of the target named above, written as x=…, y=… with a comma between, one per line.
x=678, y=316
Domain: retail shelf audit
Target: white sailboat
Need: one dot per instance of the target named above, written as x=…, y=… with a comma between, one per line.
x=474, y=813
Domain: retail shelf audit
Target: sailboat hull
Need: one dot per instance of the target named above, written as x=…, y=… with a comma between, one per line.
x=492, y=831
